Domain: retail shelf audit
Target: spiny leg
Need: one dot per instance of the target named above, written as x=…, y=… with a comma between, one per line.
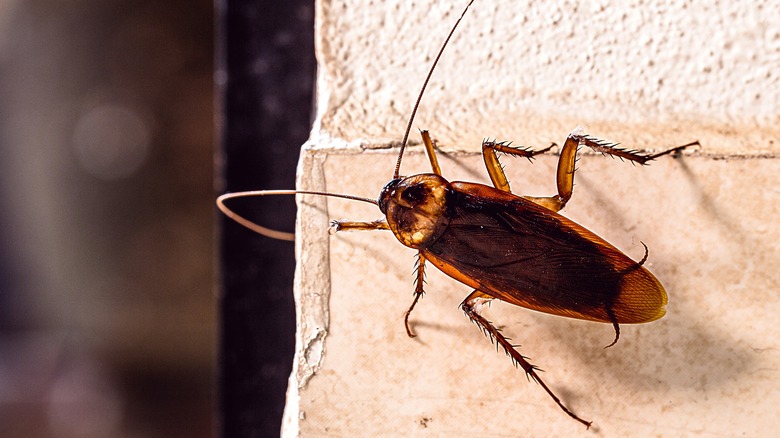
x=379, y=224
x=471, y=307
x=673, y=150
x=494, y=168
x=566, y=163
x=419, y=281
x=568, y=160
x=430, y=152
x=564, y=175
x=632, y=155
x=498, y=177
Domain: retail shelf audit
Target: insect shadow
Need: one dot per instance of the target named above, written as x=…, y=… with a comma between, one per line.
x=690, y=337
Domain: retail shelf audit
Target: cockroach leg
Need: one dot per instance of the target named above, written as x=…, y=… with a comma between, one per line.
x=379, y=224
x=673, y=150
x=430, y=152
x=613, y=149
x=494, y=168
x=471, y=306
x=565, y=169
x=418, y=291
x=564, y=175
x=566, y=163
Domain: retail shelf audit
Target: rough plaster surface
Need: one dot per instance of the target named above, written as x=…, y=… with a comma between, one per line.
x=646, y=74
x=707, y=368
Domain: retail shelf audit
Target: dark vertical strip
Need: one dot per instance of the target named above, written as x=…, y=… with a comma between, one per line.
x=265, y=81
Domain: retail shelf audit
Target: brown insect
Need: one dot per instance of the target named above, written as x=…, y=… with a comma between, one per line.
x=517, y=249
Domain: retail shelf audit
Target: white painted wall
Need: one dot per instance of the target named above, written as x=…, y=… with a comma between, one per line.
x=646, y=74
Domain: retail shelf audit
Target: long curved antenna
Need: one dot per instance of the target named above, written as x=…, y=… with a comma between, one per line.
x=259, y=229
x=422, y=91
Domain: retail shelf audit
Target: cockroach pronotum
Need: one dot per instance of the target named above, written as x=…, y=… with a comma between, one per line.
x=536, y=258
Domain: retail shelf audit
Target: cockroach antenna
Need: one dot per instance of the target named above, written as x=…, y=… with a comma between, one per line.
x=282, y=235
x=397, y=172
x=274, y=234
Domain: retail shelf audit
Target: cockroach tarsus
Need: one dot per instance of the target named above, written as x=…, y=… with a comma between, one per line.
x=517, y=249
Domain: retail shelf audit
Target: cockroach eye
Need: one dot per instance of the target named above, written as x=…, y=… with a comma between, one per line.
x=387, y=192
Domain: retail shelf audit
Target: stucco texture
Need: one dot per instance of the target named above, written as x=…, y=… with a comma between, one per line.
x=646, y=74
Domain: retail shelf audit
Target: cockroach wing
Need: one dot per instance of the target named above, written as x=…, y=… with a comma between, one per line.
x=519, y=252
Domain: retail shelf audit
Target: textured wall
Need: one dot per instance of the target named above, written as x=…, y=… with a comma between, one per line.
x=646, y=74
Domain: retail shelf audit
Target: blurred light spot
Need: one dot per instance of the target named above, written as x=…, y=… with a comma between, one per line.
x=220, y=77
x=111, y=141
x=84, y=401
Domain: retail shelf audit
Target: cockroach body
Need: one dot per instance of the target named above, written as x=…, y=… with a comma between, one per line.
x=517, y=249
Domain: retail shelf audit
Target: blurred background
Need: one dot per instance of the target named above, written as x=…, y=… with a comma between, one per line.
x=108, y=262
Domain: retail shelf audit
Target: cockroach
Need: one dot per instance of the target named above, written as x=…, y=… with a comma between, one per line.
x=517, y=249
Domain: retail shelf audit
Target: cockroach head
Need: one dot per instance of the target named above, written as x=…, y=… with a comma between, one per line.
x=415, y=208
